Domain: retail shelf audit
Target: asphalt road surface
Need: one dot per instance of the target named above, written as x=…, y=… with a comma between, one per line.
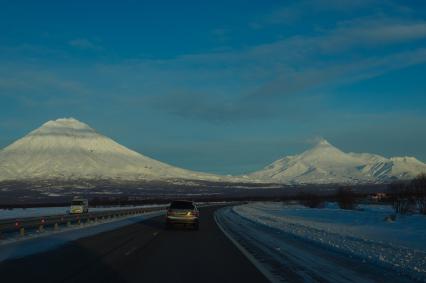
x=142, y=252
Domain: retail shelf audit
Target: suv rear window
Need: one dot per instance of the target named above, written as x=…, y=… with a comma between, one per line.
x=77, y=202
x=181, y=205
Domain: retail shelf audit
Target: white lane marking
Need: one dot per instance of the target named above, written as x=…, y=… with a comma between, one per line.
x=268, y=274
x=130, y=251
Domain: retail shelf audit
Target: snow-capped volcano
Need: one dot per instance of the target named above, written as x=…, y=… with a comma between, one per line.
x=326, y=164
x=70, y=149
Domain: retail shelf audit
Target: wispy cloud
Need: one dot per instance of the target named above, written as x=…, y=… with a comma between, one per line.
x=288, y=71
x=283, y=77
x=84, y=43
x=370, y=33
x=297, y=12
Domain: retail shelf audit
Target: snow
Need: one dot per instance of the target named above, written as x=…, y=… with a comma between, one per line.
x=325, y=164
x=362, y=233
x=18, y=213
x=36, y=243
x=69, y=149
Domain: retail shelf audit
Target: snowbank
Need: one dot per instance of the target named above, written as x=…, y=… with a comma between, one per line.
x=363, y=233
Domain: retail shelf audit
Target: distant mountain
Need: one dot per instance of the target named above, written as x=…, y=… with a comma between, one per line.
x=326, y=164
x=68, y=149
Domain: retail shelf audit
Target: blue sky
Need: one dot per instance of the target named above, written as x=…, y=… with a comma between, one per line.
x=219, y=86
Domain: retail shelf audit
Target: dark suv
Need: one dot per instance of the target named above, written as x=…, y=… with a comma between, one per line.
x=182, y=212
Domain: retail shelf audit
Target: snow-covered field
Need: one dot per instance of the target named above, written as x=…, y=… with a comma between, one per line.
x=364, y=233
x=18, y=213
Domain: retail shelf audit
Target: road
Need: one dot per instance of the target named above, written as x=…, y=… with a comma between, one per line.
x=142, y=252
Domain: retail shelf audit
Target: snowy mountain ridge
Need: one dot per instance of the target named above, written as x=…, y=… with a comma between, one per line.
x=326, y=164
x=67, y=149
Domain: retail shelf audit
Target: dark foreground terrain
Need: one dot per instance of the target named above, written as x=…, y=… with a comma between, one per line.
x=54, y=193
x=142, y=252
x=146, y=252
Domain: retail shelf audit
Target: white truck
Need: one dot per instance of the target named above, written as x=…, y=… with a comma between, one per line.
x=79, y=205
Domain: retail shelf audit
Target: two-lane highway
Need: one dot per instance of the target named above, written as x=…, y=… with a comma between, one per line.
x=142, y=252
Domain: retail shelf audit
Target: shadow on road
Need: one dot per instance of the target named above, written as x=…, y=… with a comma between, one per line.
x=141, y=252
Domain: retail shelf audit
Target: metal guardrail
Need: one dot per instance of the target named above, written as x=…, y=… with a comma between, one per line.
x=22, y=225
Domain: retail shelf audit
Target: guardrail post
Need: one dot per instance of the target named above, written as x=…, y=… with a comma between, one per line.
x=41, y=227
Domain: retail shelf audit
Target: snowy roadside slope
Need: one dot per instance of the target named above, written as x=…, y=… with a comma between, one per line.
x=35, y=243
x=289, y=258
x=18, y=213
x=358, y=233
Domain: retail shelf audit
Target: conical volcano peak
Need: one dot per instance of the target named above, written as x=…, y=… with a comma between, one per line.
x=326, y=164
x=66, y=123
x=323, y=142
x=67, y=149
x=63, y=126
x=321, y=145
x=324, y=151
